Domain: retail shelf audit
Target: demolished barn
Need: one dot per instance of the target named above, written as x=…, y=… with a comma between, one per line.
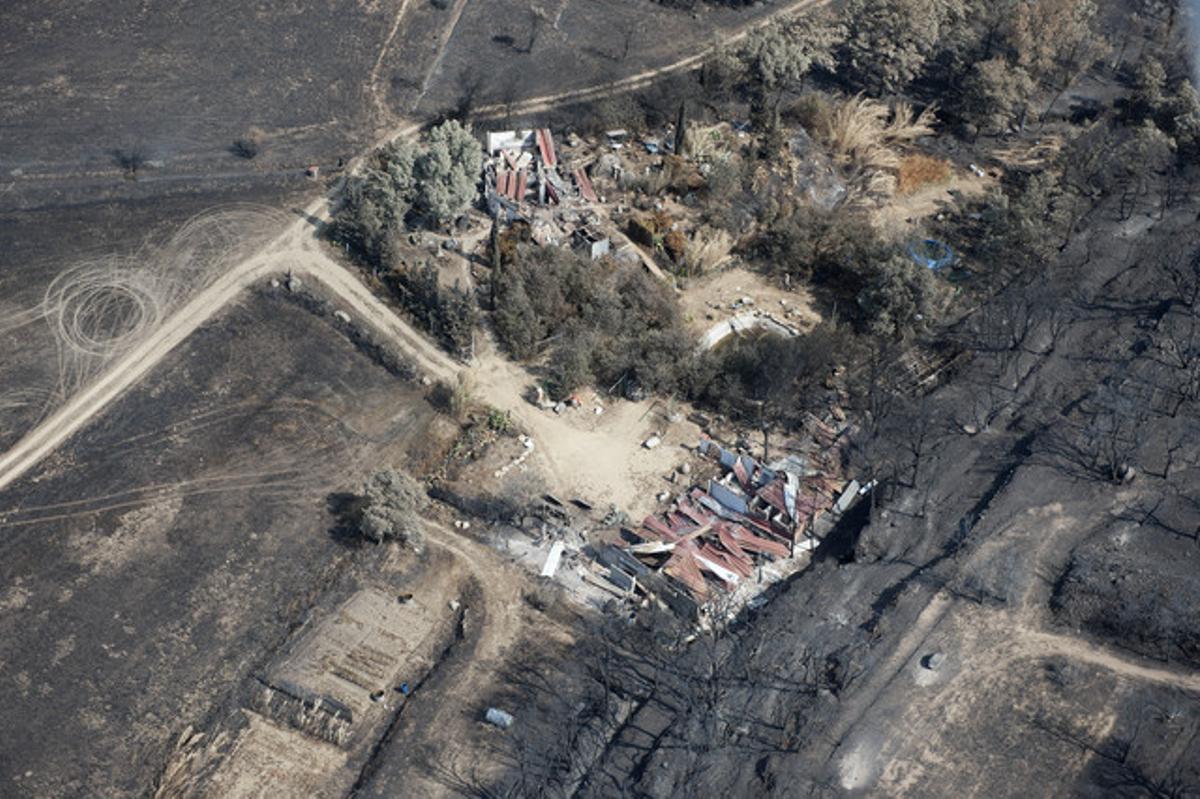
x=716, y=537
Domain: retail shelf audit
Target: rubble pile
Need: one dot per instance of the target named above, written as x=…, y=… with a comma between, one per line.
x=717, y=537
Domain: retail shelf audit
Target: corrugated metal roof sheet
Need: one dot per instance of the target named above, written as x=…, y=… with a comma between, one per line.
x=727, y=498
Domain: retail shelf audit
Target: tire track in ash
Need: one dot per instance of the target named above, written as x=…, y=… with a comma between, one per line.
x=378, y=96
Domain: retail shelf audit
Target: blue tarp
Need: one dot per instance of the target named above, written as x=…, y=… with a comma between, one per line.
x=931, y=254
x=726, y=497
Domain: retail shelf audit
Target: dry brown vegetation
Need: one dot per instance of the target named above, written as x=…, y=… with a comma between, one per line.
x=864, y=135
x=918, y=170
x=707, y=249
x=864, y=132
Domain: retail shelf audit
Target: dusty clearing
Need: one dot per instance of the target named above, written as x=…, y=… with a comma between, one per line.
x=904, y=215
x=718, y=297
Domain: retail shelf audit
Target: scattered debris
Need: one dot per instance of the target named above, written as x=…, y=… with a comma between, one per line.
x=498, y=718
x=527, y=443
x=717, y=536
x=931, y=254
x=553, y=559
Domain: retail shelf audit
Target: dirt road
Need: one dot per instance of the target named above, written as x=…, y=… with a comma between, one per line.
x=641, y=79
x=287, y=252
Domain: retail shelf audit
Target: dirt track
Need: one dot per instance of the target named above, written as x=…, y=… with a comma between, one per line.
x=284, y=254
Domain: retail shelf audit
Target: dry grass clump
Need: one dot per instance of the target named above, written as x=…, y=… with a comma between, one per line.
x=708, y=248
x=864, y=133
x=704, y=144
x=864, y=137
x=919, y=170
x=811, y=111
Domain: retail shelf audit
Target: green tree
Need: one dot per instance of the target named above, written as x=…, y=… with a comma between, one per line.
x=517, y=322
x=376, y=202
x=900, y=297
x=447, y=172
x=777, y=58
x=889, y=41
x=996, y=94
x=1024, y=226
x=769, y=381
x=569, y=367
x=1149, y=90
x=1056, y=41
x=392, y=502
x=1185, y=111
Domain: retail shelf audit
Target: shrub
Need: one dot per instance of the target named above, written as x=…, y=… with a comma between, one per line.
x=603, y=323
x=863, y=132
x=448, y=314
x=831, y=248
x=900, y=298
x=391, y=503
x=499, y=422
x=246, y=147
x=707, y=248
x=454, y=399
x=812, y=111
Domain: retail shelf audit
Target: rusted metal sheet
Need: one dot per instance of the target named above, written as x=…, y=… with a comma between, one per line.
x=718, y=563
x=679, y=523
x=769, y=528
x=741, y=473
x=585, y=186
x=545, y=143
x=772, y=494
x=731, y=546
x=656, y=525
x=749, y=541
x=694, y=513
x=683, y=567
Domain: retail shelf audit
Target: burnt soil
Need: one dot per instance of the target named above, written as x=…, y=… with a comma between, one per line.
x=154, y=561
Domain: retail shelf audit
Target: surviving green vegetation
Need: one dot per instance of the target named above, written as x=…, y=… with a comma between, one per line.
x=408, y=185
x=869, y=102
x=390, y=504
x=612, y=326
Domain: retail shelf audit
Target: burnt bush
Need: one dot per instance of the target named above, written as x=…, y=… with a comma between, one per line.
x=1136, y=588
x=244, y=148
x=448, y=314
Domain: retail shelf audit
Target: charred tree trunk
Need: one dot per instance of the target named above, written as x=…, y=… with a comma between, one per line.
x=681, y=128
